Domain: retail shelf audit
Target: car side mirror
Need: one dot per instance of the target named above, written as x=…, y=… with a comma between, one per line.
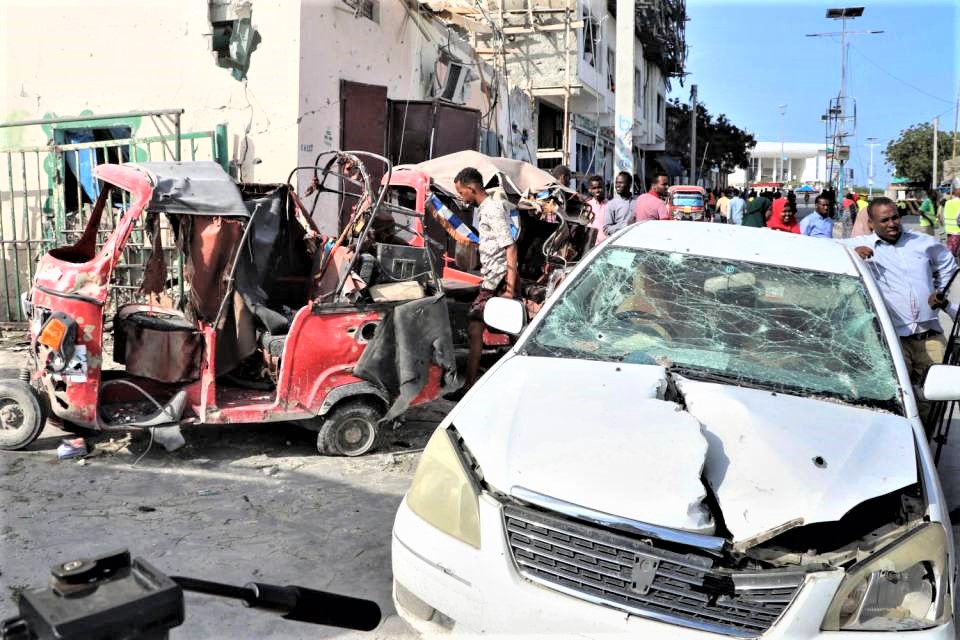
x=504, y=314
x=942, y=383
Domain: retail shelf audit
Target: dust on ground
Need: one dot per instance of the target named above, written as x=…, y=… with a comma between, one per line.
x=236, y=503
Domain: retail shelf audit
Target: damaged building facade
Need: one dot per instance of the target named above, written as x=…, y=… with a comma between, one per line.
x=288, y=79
x=559, y=58
x=263, y=86
x=259, y=86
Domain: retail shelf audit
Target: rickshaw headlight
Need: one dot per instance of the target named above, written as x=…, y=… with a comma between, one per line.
x=53, y=333
x=443, y=492
x=26, y=307
x=58, y=335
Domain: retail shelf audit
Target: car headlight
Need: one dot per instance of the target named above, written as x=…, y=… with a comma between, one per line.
x=904, y=586
x=444, y=493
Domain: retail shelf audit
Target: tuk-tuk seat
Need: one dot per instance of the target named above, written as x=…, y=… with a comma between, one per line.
x=156, y=343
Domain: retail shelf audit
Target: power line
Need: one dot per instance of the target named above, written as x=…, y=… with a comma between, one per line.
x=914, y=87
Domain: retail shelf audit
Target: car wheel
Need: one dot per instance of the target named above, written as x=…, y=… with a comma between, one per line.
x=21, y=415
x=350, y=429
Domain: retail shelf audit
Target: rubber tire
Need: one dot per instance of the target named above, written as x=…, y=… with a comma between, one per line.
x=32, y=415
x=329, y=440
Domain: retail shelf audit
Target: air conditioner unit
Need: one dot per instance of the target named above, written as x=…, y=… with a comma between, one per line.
x=453, y=87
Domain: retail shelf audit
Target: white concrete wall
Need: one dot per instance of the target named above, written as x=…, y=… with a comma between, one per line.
x=807, y=170
x=105, y=56
x=652, y=134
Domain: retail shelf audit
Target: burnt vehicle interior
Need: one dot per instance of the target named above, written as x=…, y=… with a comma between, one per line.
x=251, y=259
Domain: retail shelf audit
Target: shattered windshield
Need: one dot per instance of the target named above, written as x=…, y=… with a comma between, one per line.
x=790, y=330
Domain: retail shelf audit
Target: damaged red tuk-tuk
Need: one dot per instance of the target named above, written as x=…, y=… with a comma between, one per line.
x=276, y=322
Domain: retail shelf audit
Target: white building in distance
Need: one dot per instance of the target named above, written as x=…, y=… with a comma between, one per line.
x=788, y=162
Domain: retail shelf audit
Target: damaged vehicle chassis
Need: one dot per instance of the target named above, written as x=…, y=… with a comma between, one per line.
x=273, y=325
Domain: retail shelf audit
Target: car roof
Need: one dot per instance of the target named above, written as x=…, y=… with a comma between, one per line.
x=747, y=244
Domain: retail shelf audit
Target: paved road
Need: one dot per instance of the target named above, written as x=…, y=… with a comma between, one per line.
x=238, y=503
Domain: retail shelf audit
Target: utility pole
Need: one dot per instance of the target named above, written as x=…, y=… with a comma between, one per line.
x=624, y=105
x=871, y=142
x=956, y=116
x=837, y=110
x=693, y=134
x=936, y=128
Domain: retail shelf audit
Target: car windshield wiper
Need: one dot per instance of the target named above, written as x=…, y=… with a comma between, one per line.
x=534, y=348
x=890, y=404
x=707, y=375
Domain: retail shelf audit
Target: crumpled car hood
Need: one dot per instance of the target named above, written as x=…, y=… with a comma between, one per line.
x=778, y=461
x=589, y=433
x=594, y=434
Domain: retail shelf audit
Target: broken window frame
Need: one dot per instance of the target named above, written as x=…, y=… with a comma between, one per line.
x=369, y=9
x=591, y=38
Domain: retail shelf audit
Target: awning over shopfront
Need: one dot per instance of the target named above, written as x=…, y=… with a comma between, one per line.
x=670, y=165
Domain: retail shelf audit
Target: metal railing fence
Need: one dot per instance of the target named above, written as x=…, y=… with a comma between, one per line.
x=47, y=194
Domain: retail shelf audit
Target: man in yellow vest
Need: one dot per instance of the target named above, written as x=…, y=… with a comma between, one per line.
x=951, y=210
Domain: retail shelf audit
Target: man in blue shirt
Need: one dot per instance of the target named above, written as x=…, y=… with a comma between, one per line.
x=735, y=208
x=913, y=271
x=819, y=224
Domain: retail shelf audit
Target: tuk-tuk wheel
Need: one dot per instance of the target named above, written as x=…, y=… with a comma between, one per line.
x=350, y=429
x=21, y=415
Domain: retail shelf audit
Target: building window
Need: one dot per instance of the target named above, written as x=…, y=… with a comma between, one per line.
x=637, y=91
x=369, y=9
x=659, y=108
x=549, y=127
x=611, y=70
x=591, y=38
x=586, y=160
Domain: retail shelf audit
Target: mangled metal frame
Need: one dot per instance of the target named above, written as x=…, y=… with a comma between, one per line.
x=303, y=386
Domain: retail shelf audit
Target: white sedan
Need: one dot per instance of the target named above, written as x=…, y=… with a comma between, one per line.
x=708, y=431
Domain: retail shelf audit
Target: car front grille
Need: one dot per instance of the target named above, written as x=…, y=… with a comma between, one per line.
x=644, y=577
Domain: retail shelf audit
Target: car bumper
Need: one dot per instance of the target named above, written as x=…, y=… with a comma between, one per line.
x=480, y=591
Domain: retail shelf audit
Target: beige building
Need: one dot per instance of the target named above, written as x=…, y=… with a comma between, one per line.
x=115, y=56
x=264, y=86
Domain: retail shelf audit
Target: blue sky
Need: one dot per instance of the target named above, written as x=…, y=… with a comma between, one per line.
x=748, y=57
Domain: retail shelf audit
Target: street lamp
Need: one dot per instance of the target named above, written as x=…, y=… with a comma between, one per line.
x=837, y=112
x=871, y=142
x=783, y=157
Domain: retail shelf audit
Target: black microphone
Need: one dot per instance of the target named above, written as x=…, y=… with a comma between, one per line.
x=317, y=607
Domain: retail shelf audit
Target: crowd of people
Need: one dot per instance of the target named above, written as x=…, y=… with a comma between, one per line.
x=774, y=210
x=913, y=269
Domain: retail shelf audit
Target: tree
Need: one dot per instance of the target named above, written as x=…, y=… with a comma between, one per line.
x=726, y=145
x=912, y=153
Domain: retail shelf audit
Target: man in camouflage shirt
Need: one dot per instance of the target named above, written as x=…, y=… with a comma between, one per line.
x=498, y=259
